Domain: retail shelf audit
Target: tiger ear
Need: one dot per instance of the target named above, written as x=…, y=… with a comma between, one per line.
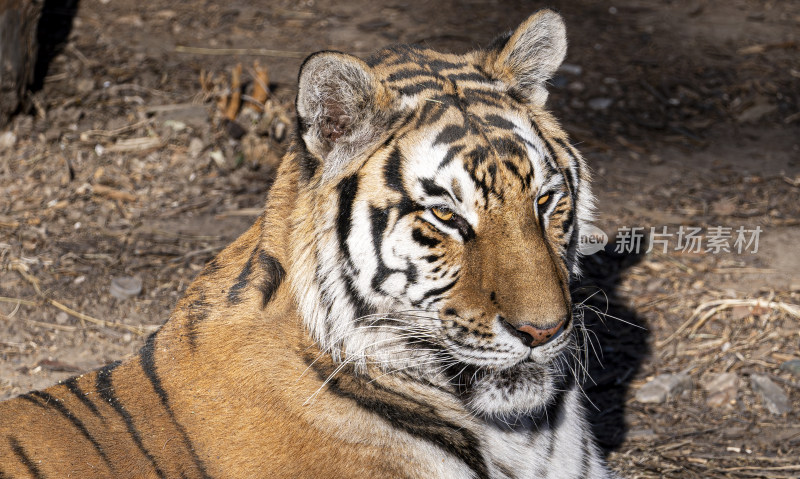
x=342, y=108
x=530, y=56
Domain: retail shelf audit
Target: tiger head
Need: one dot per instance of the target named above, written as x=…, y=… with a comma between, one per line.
x=438, y=214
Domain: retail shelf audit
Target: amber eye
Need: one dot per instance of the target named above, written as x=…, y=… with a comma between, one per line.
x=442, y=212
x=543, y=199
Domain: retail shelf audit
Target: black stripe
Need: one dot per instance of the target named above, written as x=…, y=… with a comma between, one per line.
x=550, y=157
x=273, y=276
x=498, y=121
x=450, y=134
x=347, y=196
x=234, y=294
x=105, y=388
x=211, y=267
x=420, y=238
x=54, y=403
x=72, y=386
x=378, y=220
x=477, y=156
x=415, y=88
x=19, y=451
x=517, y=95
x=508, y=147
x=148, y=363
x=469, y=77
x=405, y=413
x=432, y=111
x=403, y=53
x=308, y=166
x=436, y=292
x=348, y=188
x=29, y=397
x=475, y=95
x=572, y=180
x=439, y=65
x=451, y=153
x=510, y=166
x=409, y=74
x=393, y=173
x=431, y=258
x=432, y=189
x=196, y=312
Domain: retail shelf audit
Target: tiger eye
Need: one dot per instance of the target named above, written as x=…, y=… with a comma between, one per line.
x=543, y=199
x=443, y=214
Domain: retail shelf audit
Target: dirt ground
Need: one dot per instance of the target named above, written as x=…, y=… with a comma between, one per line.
x=688, y=113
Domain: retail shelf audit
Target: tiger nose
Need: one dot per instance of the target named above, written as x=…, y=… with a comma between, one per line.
x=533, y=336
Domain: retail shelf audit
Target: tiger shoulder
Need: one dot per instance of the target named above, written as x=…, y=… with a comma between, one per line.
x=400, y=309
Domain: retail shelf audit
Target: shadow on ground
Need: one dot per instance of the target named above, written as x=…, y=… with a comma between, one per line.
x=618, y=344
x=52, y=34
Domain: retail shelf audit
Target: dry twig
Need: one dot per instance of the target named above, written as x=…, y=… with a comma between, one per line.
x=20, y=268
x=707, y=310
x=240, y=51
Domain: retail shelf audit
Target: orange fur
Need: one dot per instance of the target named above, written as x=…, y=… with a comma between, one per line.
x=236, y=384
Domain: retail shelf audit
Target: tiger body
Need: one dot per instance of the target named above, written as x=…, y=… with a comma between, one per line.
x=401, y=308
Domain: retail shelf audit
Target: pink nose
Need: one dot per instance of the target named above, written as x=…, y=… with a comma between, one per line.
x=533, y=336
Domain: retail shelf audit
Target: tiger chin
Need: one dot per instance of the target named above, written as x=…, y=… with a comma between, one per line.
x=400, y=309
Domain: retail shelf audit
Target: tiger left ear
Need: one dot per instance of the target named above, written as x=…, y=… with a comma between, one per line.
x=342, y=108
x=530, y=56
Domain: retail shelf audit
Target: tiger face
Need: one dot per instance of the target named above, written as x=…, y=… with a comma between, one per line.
x=445, y=210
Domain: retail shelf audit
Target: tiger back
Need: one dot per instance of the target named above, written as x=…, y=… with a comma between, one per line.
x=400, y=309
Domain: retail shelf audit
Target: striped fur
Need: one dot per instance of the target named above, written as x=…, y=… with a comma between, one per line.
x=371, y=322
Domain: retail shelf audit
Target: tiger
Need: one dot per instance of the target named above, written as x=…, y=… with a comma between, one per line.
x=400, y=309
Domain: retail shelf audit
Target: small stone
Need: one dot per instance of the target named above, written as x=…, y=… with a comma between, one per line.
x=775, y=400
x=166, y=14
x=600, y=103
x=722, y=389
x=218, y=158
x=7, y=140
x=84, y=85
x=124, y=287
x=792, y=366
x=195, y=147
x=756, y=112
x=62, y=317
x=175, y=125
x=663, y=387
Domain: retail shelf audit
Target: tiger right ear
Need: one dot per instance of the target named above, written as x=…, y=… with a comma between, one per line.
x=530, y=56
x=342, y=108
